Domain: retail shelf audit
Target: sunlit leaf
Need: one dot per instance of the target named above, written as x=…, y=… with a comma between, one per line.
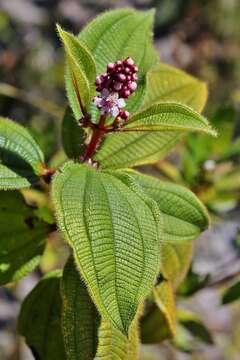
x=80, y=74
x=167, y=83
x=159, y=323
x=114, y=345
x=184, y=215
x=137, y=148
x=119, y=34
x=21, y=159
x=98, y=216
x=164, y=298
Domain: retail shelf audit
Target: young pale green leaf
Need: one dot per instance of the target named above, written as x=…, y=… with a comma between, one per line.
x=22, y=237
x=72, y=136
x=167, y=83
x=113, y=345
x=40, y=319
x=176, y=260
x=164, y=298
x=121, y=33
x=231, y=294
x=80, y=319
x=21, y=159
x=98, y=216
x=159, y=321
x=164, y=83
x=80, y=73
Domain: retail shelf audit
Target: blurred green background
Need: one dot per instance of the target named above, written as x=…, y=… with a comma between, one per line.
x=201, y=37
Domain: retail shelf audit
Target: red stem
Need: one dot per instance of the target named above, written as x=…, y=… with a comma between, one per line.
x=97, y=137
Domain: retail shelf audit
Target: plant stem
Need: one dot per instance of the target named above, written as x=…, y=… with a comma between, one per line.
x=97, y=137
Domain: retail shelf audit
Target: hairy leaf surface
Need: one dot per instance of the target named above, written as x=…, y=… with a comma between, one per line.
x=21, y=159
x=22, y=237
x=40, y=319
x=164, y=83
x=184, y=216
x=72, y=136
x=116, y=243
x=80, y=73
x=168, y=116
x=113, y=345
x=167, y=83
x=80, y=319
x=118, y=34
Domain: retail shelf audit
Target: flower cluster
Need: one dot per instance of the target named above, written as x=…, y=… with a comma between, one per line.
x=117, y=84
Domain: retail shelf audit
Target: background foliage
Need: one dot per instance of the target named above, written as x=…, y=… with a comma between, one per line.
x=201, y=37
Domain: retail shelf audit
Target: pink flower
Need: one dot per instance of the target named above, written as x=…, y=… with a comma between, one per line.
x=109, y=103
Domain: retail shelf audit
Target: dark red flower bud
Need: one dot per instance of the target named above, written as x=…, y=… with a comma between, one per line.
x=124, y=115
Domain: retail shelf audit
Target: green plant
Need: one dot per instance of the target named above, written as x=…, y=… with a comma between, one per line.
x=130, y=235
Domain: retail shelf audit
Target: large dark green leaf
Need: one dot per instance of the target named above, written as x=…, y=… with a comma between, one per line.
x=21, y=159
x=40, y=319
x=72, y=136
x=22, y=237
x=116, y=243
x=80, y=319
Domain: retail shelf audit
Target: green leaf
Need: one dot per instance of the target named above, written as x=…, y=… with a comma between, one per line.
x=80, y=319
x=159, y=323
x=22, y=237
x=184, y=216
x=194, y=325
x=21, y=160
x=98, y=216
x=121, y=33
x=154, y=327
x=193, y=283
x=231, y=294
x=161, y=117
x=164, y=83
x=168, y=116
x=167, y=83
x=113, y=345
x=40, y=319
x=176, y=260
x=80, y=74
x=164, y=298
x=72, y=136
